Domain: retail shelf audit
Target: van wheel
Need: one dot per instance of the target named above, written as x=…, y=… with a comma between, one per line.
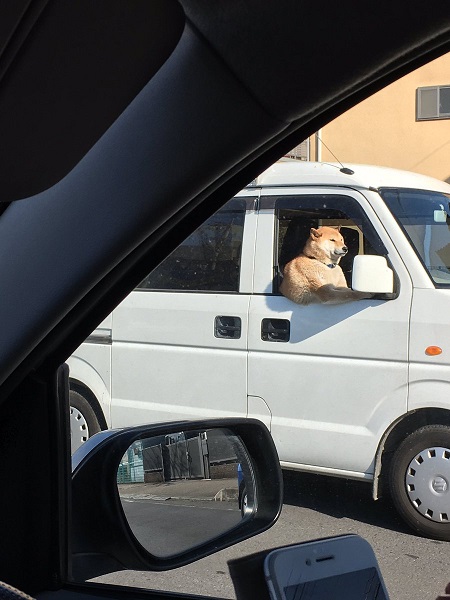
x=420, y=481
x=83, y=420
x=243, y=500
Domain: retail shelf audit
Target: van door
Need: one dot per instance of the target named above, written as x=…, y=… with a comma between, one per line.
x=424, y=217
x=180, y=339
x=333, y=376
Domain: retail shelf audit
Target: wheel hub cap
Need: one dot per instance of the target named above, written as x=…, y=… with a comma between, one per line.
x=79, y=431
x=427, y=484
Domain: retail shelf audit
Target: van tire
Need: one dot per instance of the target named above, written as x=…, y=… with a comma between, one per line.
x=83, y=420
x=419, y=481
x=243, y=499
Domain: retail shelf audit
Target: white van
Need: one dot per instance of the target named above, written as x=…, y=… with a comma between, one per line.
x=358, y=390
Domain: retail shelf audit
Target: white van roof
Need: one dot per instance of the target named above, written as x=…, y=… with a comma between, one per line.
x=297, y=172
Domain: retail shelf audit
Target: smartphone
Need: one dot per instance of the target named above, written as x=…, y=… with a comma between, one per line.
x=338, y=568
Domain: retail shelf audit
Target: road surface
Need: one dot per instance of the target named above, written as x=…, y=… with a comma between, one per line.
x=413, y=568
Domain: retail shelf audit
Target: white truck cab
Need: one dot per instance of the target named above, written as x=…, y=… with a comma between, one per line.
x=358, y=390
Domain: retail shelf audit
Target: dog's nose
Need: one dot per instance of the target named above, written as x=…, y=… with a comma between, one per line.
x=345, y=249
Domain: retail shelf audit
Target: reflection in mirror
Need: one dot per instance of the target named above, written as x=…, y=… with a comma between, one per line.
x=181, y=490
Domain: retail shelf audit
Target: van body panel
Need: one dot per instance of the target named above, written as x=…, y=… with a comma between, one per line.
x=300, y=173
x=91, y=367
x=326, y=471
x=429, y=328
x=258, y=409
x=167, y=363
x=248, y=252
x=344, y=398
x=429, y=375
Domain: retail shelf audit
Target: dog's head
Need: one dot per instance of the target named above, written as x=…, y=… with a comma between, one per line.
x=330, y=241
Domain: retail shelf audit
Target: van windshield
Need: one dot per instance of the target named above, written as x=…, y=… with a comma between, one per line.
x=425, y=218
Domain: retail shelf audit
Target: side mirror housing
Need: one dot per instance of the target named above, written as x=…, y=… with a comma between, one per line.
x=126, y=523
x=372, y=274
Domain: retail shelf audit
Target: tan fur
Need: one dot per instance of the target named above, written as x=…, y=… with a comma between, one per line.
x=307, y=279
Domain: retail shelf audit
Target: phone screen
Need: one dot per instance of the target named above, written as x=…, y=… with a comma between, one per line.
x=356, y=585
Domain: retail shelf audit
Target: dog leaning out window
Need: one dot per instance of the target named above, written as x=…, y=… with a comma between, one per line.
x=316, y=251
x=314, y=276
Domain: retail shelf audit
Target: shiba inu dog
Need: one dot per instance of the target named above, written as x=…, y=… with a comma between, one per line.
x=315, y=275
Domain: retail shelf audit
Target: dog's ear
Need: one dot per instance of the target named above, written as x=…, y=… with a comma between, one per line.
x=338, y=227
x=315, y=233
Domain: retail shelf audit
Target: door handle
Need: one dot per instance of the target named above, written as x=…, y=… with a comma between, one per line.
x=275, y=330
x=227, y=327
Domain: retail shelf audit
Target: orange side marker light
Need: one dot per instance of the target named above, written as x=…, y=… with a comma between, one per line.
x=433, y=351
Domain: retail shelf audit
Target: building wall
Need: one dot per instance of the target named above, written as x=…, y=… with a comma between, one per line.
x=383, y=130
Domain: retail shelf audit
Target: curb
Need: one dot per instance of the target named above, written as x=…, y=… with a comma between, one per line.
x=223, y=495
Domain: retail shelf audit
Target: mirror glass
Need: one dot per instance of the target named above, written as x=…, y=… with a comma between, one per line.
x=181, y=490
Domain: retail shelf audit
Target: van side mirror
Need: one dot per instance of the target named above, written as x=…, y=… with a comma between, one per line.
x=372, y=274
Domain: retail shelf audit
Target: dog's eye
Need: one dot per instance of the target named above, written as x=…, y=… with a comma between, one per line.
x=332, y=240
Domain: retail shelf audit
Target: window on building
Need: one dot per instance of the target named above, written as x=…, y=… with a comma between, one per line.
x=300, y=152
x=433, y=103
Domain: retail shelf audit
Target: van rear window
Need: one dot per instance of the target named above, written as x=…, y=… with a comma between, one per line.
x=209, y=259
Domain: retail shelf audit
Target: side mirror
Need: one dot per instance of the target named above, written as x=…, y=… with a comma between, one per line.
x=372, y=274
x=160, y=496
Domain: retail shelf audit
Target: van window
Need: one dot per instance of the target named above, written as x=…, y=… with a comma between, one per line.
x=209, y=259
x=296, y=215
x=425, y=218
